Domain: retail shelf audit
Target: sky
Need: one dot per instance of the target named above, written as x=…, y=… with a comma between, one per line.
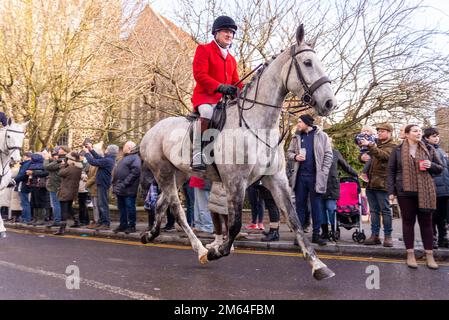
x=438, y=14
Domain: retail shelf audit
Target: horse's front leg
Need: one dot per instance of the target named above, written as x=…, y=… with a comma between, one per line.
x=281, y=192
x=235, y=198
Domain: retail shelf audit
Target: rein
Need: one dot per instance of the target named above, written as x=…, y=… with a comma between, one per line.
x=307, y=98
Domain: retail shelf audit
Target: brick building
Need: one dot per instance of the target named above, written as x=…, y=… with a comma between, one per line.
x=165, y=86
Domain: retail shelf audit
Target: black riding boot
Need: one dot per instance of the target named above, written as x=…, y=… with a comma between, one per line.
x=61, y=230
x=198, y=156
x=272, y=235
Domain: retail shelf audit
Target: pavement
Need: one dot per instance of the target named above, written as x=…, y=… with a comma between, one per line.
x=251, y=239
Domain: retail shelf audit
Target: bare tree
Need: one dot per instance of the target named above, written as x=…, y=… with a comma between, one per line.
x=60, y=59
x=383, y=67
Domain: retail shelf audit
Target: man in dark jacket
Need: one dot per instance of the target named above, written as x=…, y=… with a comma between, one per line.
x=311, y=150
x=431, y=137
x=103, y=179
x=376, y=190
x=53, y=165
x=23, y=189
x=125, y=182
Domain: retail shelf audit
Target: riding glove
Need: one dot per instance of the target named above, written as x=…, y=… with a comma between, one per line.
x=227, y=89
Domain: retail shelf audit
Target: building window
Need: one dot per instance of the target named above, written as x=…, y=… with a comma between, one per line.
x=63, y=139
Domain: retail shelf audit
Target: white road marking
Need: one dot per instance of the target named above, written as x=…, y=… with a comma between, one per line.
x=91, y=283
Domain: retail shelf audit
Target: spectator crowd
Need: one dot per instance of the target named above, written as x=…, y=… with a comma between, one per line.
x=412, y=172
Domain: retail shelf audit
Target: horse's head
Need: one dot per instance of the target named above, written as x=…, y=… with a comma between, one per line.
x=12, y=136
x=307, y=79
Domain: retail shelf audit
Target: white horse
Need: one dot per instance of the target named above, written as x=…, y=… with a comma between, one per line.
x=253, y=119
x=11, y=141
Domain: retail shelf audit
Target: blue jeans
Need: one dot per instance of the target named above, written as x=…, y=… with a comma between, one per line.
x=127, y=209
x=56, y=206
x=203, y=219
x=103, y=205
x=328, y=213
x=305, y=187
x=379, y=205
x=257, y=205
x=190, y=202
x=26, y=206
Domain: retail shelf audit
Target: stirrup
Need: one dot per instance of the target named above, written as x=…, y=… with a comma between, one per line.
x=198, y=164
x=199, y=167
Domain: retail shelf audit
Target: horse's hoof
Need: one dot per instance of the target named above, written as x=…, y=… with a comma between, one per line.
x=323, y=273
x=144, y=238
x=203, y=259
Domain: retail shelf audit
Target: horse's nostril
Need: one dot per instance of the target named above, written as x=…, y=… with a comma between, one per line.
x=329, y=104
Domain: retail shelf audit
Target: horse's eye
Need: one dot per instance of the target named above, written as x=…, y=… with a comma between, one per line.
x=308, y=63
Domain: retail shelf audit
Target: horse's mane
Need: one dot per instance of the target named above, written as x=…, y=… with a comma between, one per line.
x=258, y=73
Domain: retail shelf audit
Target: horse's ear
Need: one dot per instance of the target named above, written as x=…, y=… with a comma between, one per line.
x=300, y=34
x=25, y=124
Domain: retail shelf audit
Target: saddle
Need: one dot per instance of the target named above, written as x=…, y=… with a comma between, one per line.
x=217, y=122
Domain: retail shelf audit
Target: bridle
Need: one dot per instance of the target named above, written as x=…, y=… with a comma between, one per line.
x=8, y=147
x=7, y=152
x=307, y=98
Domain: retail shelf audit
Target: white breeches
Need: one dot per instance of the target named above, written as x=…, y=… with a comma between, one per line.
x=206, y=110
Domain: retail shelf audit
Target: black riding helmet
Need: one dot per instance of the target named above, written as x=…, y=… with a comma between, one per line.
x=223, y=23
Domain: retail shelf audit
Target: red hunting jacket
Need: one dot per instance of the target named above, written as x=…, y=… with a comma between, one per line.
x=210, y=69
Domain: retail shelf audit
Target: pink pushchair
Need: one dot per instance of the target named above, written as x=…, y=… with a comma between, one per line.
x=349, y=210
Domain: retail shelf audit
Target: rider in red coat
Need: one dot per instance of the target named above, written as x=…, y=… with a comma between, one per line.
x=215, y=72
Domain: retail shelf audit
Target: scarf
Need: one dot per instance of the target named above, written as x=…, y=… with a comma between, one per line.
x=417, y=181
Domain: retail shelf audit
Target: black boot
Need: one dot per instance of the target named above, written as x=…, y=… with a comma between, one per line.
x=198, y=145
x=61, y=230
x=76, y=221
x=40, y=217
x=325, y=231
x=273, y=235
x=316, y=239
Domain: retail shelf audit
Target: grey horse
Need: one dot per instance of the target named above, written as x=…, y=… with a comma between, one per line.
x=245, y=151
x=11, y=141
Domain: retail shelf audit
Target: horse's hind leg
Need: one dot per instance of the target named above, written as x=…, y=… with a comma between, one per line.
x=180, y=216
x=169, y=199
x=235, y=195
x=278, y=185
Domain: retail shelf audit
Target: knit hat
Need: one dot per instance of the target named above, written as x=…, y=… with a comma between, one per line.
x=112, y=150
x=307, y=119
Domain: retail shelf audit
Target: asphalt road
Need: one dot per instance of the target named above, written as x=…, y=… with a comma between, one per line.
x=35, y=266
